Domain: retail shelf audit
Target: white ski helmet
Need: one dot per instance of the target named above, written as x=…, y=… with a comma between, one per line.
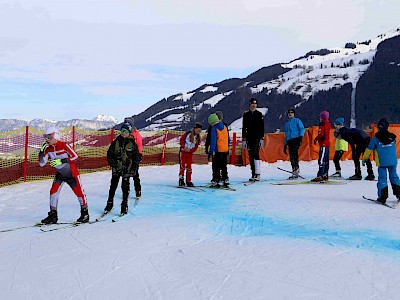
x=54, y=131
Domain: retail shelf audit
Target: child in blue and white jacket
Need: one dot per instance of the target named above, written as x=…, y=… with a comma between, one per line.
x=384, y=145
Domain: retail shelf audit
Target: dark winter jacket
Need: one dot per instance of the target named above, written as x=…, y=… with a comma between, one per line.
x=253, y=126
x=123, y=156
x=355, y=137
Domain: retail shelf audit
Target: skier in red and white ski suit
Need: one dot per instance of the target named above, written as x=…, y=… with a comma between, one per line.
x=189, y=142
x=62, y=157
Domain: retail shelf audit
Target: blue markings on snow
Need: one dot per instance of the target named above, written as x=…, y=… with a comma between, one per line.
x=223, y=212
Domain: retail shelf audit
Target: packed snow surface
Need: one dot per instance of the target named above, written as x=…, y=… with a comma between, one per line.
x=262, y=241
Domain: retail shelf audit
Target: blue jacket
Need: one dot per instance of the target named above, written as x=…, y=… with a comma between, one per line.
x=293, y=129
x=384, y=144
x=220, y=140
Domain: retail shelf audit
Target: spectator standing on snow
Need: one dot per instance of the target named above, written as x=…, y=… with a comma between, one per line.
x=62, y=157
x=294, y=132
x=253, y=137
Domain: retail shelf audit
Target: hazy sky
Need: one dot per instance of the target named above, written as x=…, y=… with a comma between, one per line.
x=65, y=59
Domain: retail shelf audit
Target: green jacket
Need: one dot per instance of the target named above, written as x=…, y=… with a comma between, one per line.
x=123, y=156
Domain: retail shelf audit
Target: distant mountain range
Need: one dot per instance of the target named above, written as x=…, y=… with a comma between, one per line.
x=360, y=82
x=101, y=122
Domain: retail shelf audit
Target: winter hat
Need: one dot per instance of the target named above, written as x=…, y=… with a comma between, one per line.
x=213, y=118
x=129, y=120
x=198, y=125
x=324, y=115
x=291, y=110
x=339, y=121
x=253, y=101
x=220, y=115
x=53, y=131
x=383, y=124
x=127, y=126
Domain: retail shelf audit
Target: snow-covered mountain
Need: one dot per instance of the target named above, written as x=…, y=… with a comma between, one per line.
x=98, y=123
x=326, y=79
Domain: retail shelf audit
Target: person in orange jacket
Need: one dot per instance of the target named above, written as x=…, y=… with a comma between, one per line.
x=189, y=143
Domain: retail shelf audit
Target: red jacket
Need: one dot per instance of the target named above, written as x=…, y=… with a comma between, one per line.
x=184, y=141
x=323, y=133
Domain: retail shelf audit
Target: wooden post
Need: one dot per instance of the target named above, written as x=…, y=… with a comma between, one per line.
x=73, y=137
x=233, y=155
x=164, y=147
x=26, y=152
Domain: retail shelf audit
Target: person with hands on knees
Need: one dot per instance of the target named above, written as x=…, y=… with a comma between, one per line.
x=253, y=137
x=324, y=144
x=62, y=157
x=294, y=132
x=219, y=147
x=384, y=145
x=189, y=143
x=123, y=157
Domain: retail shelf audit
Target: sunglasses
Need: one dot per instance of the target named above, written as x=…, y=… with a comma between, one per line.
x=125, y=131
x=48, y=137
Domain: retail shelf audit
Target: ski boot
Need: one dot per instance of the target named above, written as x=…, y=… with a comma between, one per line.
x=84, y=218
x=370, y=177
x=226, y=182
x=355, y=177
x=214, y=183
x=52, y=218
x=109, y=207
x=337, y=174
x=256, y=177
x=318, y=179
x=138, y=194
x=189, y=184
x=181, y=181
x=124, y=208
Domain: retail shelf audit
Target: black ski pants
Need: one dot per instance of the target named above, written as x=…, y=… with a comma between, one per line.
x=219, y=166
x=336, y=159
x=254, y=153
x=294, y=146
x=125, y=186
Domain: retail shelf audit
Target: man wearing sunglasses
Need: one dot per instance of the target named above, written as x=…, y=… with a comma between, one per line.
x=62, y=157
x=123, y=156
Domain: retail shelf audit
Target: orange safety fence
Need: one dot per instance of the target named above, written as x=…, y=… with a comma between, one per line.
x=274, y=142
x=19, y=150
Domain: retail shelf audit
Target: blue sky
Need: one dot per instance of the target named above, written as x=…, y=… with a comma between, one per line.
x=76, y=59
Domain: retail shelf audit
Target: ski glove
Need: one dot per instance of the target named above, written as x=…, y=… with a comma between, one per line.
x=244, y=144
x=261, y=143
x=315, y=141
x=285, y=149
x=55, y=162
x=43, y=147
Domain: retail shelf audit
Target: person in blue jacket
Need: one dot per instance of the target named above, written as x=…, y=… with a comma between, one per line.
x=384, y=145
x=294, y=132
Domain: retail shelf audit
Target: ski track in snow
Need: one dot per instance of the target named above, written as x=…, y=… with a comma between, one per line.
x=298, y=242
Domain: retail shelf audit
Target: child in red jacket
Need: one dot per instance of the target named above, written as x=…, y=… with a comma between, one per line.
x=189, y=142
x=324, y=145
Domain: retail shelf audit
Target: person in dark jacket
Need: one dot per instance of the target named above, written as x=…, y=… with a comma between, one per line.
x=253, y=137
x=324, y=142
x=294, y=132
x=123, y=157
x=384, y=145
x=358, y=141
